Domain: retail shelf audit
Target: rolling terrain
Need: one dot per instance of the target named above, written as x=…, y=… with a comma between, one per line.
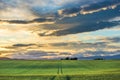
x=59, y=70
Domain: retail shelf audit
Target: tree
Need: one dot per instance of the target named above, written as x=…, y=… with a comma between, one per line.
x=67, y=58
x=99, y=59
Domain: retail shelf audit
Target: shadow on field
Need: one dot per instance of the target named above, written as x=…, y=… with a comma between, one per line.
x=67, y=78
x=53, y=78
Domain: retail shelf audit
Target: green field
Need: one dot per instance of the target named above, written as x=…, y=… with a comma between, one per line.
x=51, y=70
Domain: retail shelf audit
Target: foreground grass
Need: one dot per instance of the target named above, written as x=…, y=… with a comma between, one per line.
x=47, y=70
x=63, y=77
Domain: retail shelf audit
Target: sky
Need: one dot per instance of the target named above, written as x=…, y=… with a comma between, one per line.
x=52, y=29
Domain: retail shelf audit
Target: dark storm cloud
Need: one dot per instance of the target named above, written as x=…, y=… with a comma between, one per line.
x=54, y=5
x=38, y=20
x=86, y=28
x=23, y=45
x=89, y=22
x=16, y=46
x=69, y=11
x=90, y=7
x=17, y=21
x=100, y=5
x=86, y=23
x=42, y=20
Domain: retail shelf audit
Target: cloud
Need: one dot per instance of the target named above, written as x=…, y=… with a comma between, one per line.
x=52, y=55
x=69, y=12
x=115, y=19
x=38, y=20
x=29, y=9
x=100, y=6
x=89, y=22
x=102, y=46
x=96, y=17
x=33, y=55
x=15, y=10
x=23, y=45
x=86, y=28
x=58, y=28
x=89, y=8
x=112, y=39
x=54, y=19
x=65, y=53
x=96, y=53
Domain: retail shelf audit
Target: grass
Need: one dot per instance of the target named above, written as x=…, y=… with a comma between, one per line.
x=48, y=70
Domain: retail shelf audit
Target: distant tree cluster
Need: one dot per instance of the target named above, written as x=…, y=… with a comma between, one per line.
x=99, y=59
x=68, y=58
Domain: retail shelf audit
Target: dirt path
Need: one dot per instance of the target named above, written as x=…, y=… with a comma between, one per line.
x=60, y=68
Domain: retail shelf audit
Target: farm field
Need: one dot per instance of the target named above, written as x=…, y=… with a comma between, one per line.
x=59, y=70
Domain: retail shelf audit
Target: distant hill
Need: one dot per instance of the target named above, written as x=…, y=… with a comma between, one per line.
x=115, y=57
x=104, y=57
